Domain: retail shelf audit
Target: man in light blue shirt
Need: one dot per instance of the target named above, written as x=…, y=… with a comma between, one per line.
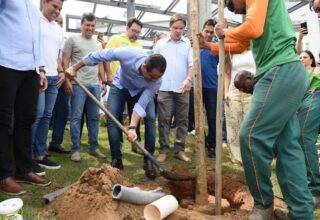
x=20, y=59
x=176, y=84
x=137, y=80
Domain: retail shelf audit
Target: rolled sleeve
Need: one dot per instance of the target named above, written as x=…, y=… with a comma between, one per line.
x=139, y=110
x=145, y=98
x=190, y=57
x=96, y=57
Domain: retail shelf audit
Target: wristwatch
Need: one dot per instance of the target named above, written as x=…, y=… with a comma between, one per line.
x=104, y=82
x=131, y=127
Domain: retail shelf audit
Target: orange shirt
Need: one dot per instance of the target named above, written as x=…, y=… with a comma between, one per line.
x=238, y=39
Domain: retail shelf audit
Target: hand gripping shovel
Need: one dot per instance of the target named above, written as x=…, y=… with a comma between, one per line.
x=167, y=174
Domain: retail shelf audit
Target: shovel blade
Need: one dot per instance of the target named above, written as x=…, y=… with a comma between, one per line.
x=176, y=177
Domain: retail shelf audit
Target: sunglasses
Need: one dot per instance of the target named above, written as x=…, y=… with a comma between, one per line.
x=229, y=5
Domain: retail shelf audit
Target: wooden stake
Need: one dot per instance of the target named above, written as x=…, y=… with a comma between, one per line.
x=201, y=180
x=219, y=117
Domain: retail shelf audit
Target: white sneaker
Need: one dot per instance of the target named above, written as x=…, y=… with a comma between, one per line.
x=193, y=132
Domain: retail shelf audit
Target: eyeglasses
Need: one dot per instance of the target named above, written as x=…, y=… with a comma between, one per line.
x=229, y=5
x=137, y=32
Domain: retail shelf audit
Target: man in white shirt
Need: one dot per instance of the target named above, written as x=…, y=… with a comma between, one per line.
x=175, y=87
x=52, y=36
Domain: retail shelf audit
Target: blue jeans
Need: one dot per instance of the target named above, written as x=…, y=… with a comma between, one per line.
x=116, y=101
x=60, y=117
x=78, y=101
x=40, y=127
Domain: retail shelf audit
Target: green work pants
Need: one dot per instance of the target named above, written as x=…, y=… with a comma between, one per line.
x=309, y=118
x=271, y=119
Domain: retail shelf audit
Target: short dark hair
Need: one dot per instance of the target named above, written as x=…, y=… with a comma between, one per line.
x=88, y=17
x=134, y=20
x=156, y=61
x=177, y=17
x=313, y=64
x=209, y=22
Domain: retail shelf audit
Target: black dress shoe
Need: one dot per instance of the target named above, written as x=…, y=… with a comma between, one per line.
x=117, y=163
x=59, y=149
x=150, y=171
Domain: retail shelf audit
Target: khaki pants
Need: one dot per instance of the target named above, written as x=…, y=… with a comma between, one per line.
x=165, y=105
x=235, y=112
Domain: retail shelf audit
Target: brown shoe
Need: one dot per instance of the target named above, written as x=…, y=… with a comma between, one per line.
x=97, y=153
x=33, y=178
x=181, y=155
x=11, y=187
x=161, y=158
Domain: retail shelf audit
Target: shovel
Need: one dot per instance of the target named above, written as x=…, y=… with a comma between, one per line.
x=167, y=174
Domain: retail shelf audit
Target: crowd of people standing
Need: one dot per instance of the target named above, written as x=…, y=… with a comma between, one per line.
x=279, y=118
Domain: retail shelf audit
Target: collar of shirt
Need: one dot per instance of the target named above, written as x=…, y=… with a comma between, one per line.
x=184, y=39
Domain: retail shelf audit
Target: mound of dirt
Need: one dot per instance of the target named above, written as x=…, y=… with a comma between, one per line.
x=90, y=197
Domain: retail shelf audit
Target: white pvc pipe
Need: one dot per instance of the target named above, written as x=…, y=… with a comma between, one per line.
x=160, y=208
x=136, y=195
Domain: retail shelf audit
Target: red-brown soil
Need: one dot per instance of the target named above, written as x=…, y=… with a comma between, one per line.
x=90, y=197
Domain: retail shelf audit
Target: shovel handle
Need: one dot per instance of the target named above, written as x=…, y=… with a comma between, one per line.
x=112, y=118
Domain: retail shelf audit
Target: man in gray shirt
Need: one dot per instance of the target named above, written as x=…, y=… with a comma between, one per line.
x=76, y=47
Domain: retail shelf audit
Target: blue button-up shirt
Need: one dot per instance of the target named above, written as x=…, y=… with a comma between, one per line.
x=179, y=58
x=20, y=35
x=128, y=75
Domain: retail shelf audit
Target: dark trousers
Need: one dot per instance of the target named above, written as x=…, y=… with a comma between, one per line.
x=210, y=103
x=19, y=92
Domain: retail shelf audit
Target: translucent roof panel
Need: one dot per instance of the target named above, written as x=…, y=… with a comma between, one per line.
x=231, y=16
x=152, y=17
x=181, y=7
x=162, y=5
x=291, y=4
x=155, y=14
x=76, y=7
x=74, y=23
x=104, y=11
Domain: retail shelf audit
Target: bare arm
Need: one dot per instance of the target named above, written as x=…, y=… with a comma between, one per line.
x=102, y=77
x=302, y=32
x=107, y=70
x=186, y=84
x=60, y=71
x=65, y=64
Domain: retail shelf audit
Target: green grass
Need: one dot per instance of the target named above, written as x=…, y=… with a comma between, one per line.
x=33, y=208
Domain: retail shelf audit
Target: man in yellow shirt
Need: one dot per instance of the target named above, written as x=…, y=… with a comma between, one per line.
x=129, y=38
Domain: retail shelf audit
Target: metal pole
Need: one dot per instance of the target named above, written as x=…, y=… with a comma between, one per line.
x=131, y=7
